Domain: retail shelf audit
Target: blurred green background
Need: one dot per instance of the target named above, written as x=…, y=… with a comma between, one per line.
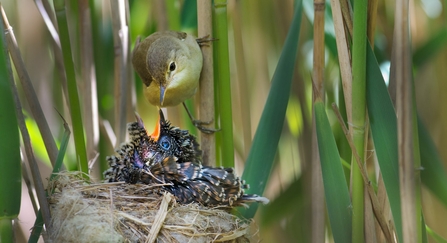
x=256, y=32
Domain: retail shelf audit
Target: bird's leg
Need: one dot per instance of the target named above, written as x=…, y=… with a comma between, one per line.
x=198, y=123
x=204, y=41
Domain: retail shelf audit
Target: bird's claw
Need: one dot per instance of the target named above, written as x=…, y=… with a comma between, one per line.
x=204, y=41
x=199, y=124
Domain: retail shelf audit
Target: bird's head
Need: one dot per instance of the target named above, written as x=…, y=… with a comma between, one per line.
x=166, y=58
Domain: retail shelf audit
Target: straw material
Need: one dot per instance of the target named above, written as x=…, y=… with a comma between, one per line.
x=120, y=212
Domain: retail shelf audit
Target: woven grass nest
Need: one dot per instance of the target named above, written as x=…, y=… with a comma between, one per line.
x=121, y=212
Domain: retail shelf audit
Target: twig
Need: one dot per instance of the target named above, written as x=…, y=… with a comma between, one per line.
x=344, y=57
x=375, y=203
x=159, y=218
x=347, y=15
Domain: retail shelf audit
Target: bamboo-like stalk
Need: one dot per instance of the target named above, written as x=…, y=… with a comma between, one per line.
x=6, y=230
x=30, y=94
x=370, y=223
x=222, y=74
x=159, y=11
x=385, y=207
x=205, y=28
x=417, y=166
x=357, y=130
x=318, y=212
x=10, y=174
x=242, y=80
x=75, y=108
x=40, y=191
x=372, y=15
x=317, y=207
x=405, y=123
x=121, y=41
x=90, y=104
x=344, y=58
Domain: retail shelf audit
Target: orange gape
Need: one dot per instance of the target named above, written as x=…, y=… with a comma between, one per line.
x=156, y=133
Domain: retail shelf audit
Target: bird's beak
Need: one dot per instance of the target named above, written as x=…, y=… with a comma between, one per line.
x=157, y=131
x=162, y=94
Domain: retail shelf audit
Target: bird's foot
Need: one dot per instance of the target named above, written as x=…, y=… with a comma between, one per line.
x=204, y=41
x=199, y=124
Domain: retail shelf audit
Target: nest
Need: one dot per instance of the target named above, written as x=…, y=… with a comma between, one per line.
x=120, y=212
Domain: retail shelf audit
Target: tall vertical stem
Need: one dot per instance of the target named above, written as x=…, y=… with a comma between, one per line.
x=222, y=72
x=75, y=107
x=357, y=128
x=318, y=214
x=205, y=28
x=403, y=77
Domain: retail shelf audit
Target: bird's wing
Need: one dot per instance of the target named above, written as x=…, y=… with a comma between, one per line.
x=139, y=57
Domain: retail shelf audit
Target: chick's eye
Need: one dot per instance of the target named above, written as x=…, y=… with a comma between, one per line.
x=172, y=66
x=165, y=143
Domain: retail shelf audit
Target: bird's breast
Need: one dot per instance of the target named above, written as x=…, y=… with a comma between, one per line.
x=175, y=93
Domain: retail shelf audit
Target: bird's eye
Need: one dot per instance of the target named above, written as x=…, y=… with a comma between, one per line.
x=172, y=66
x=165, y=143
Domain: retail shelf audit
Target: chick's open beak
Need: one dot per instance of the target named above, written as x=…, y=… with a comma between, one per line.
x=156, y=134
x=157, y=131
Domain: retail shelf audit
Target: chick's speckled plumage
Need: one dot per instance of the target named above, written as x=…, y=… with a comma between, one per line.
x=173, y=159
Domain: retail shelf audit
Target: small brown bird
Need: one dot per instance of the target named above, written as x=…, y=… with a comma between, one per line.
x=169, y=63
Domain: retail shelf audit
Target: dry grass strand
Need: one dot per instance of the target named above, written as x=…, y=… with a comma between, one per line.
x=120, y=212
